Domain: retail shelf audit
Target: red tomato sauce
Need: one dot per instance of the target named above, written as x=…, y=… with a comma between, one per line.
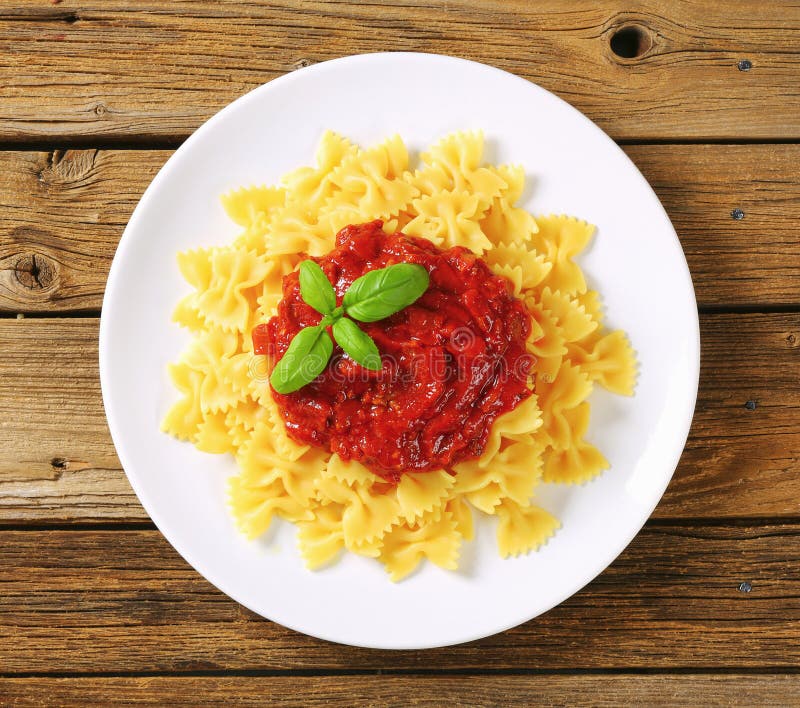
x=452, y=362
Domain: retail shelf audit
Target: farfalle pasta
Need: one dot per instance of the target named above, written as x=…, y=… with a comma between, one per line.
x=451, y=198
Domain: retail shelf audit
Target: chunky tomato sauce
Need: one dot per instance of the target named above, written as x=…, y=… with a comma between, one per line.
x=452, y=362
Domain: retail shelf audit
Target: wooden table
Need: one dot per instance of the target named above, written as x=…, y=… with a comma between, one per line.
x=703, y=607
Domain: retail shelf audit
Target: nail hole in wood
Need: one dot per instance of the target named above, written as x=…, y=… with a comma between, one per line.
x=737, y=214
x=630, y=42
x=751, y=405
x=59, y=463
x=745, y=587
x=745, y=65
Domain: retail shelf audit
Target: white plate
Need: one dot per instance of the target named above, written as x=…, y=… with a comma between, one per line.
x=636, y=263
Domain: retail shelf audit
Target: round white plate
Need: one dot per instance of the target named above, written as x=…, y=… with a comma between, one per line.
x=635, y=261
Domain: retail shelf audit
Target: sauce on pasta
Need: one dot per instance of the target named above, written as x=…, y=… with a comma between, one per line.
x=451, y=363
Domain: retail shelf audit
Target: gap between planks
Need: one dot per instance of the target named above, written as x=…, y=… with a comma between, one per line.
x=787, y=308
x=473, y=689
x=652, y=523
x=421, y=672
x=147, y=144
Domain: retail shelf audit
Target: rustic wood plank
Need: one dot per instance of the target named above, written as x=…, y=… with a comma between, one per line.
x=57, y=462
x=749, y=259
x=157, y=69
x=63, y=217
x=65, y=212
x=418, y=690
x=124, y=601
x=56, y=456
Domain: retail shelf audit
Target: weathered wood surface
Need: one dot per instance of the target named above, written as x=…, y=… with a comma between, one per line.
x=777, y=690
x=58, y=462
x=63, y=215
x=124, y=601
x=122, y=69
x=84, y=607
x=65, y=211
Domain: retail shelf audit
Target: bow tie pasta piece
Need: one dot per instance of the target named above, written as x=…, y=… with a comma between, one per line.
x=523, y=528
x=454, y=163
x=449, y=219
x=312, y=187
x=562, y=238
x=578, y=461
x=434, y=538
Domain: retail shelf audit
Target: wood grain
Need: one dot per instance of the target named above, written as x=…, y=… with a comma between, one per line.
x=57, y=462
x=64, y=214
x=124, y=601
x=703, y=608
x=55, y=450
x=119, y=69
x=65, y=211
x=418, y=690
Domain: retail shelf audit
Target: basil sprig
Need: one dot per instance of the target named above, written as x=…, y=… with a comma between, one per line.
x=371, y=297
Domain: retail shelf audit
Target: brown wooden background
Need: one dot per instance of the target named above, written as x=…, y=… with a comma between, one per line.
x=703, y=607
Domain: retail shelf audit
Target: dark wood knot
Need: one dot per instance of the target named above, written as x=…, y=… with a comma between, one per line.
x=67, y=167
x=59, y=463
x=630, y=41
x=35, y=272
x=302, y=63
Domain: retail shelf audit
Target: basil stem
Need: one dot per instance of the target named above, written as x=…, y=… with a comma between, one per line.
x=357, y=344
x=383, y=292
x=304, y=360
x=316, y=289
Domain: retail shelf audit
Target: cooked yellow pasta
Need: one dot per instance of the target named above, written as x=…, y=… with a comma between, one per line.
x=453, y=199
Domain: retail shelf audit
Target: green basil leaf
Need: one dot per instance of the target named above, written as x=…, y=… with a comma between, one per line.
x=316, y=289
x=383, y=292
x=357, y=344
x=304, y=360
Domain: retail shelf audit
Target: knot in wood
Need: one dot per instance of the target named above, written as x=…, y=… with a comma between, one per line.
x=35, y=272
x=302, y=63
x=630, y=41
x=65, y=167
